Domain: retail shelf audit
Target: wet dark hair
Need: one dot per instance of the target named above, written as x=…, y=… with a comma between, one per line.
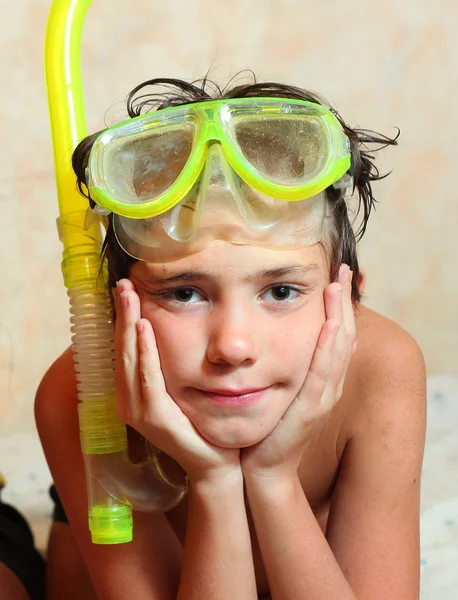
x=157, y=94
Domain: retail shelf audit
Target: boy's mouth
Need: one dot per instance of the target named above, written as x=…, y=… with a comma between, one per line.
x=232, y=391
x=234, y=397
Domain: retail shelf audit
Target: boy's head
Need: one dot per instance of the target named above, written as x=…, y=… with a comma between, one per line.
x=338, y=237
x=238, y=317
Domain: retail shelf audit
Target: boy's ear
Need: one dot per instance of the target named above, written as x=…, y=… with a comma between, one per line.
x=361, y=283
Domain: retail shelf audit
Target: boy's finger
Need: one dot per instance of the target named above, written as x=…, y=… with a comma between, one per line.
x=308, y=403
x=129, y=401
x=158, y=408
x=333, y=301
x=345, y=278
x=125, y=284
x=342, y=347
x=152, y=380
x=334, y=306
x=311, y=394
x=345, y=341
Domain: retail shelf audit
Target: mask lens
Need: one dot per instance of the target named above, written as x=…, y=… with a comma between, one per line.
x=285, y=151
x=145, y=165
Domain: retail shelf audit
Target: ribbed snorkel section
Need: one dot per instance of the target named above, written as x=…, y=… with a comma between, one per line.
x=93, y=338
x=114, y=484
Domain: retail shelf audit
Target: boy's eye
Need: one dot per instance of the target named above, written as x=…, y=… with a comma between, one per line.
x=281, y=293
x=184, y=295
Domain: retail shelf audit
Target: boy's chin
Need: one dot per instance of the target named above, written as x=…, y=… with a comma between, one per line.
x=233, y=439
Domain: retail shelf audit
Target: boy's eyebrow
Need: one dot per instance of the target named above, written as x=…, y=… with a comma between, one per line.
x=277, y=272
x=274, y=273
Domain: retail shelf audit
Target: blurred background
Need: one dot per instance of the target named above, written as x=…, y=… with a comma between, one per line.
x=382, y=64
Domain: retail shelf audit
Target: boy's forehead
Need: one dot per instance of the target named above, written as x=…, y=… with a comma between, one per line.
x=222, y=259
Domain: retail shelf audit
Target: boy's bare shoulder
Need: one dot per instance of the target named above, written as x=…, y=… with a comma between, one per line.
x=56, y=404
x=388, y=369
x=384, y=345
x=61, y=376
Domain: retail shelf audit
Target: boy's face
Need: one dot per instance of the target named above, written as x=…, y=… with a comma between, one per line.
x=229, y=322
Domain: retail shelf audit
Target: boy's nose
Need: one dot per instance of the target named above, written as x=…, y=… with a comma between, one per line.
x=232, y=341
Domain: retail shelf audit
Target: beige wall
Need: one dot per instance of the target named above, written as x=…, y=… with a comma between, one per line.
x=381, y=63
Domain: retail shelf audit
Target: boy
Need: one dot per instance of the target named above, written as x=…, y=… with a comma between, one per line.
x=244, y=354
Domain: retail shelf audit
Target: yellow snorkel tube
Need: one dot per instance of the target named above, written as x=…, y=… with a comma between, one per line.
x=114, y=484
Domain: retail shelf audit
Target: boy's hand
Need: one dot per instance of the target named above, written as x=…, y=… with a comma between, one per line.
x=278, y=455
x=143, y=403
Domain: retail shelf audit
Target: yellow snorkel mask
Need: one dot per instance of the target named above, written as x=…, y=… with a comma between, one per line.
x=245, y=170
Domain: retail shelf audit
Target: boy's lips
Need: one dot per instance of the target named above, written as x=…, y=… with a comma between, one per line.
x=232, y=392
x=234, y=397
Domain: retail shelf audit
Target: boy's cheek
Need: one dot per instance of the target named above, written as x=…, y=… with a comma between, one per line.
x=298, y=351
x=294, y=348
x=180, y=351
x=175, y=345
x=305, y=334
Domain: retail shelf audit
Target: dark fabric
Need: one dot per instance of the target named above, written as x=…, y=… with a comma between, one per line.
x=18, y=552
x=59, y=512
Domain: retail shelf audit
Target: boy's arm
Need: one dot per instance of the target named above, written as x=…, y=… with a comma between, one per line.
x=372, y=546
x=217, y=563
x=218, y=560
x=148, y=568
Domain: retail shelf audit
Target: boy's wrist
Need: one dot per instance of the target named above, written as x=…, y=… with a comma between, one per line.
x=217, y=480
x=271, y=484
